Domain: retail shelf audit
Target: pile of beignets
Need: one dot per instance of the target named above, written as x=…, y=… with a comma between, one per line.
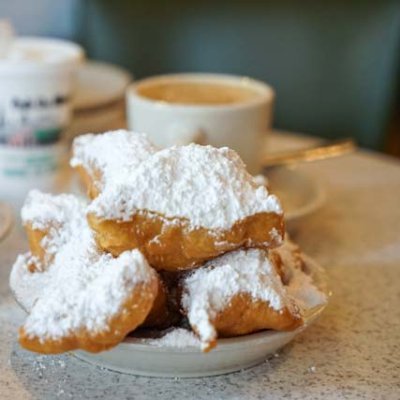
x=178, y=237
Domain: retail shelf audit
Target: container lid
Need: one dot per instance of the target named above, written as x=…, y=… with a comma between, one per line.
x=30, y=53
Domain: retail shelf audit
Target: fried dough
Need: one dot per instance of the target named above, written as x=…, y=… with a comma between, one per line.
x=238, y=293
x=171, y=244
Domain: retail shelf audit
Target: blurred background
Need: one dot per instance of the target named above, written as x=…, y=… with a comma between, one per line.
x=335, y=65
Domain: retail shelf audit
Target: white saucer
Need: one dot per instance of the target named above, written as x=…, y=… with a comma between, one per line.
x=300, y=195
x=99, y=84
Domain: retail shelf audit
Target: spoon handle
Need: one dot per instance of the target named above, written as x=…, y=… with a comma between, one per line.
x=331, y=149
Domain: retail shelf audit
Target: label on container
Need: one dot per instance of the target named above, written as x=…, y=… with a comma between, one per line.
x=33, y=116
x=29, y=120
x=23, y=169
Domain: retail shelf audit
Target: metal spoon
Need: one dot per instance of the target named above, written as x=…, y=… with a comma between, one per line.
x=331, y=149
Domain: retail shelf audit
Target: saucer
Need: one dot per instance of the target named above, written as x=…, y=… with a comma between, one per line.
x=300, y=195
x=99, y=84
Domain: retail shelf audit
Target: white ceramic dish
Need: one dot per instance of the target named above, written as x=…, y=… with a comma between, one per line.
x=139, y=357
x=136, y=357
x=300, y=195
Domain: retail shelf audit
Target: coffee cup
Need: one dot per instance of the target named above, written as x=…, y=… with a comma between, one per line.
x=216, y=109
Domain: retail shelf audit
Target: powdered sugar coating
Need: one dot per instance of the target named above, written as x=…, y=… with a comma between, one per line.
x=60, y=216
x=209, y=187
x=26, y=286
x=41, y=210
x=82, y=288
x=300, y=285
x=113, y=154
x=178, y=338
x=85, y=296
x=210, y=289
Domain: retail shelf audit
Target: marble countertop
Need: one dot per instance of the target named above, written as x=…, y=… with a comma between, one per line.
x=352, y=352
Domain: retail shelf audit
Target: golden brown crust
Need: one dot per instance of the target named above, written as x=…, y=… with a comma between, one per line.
x=159, y=315
x=91, y=180
x=35, y=237
x=133, y=312
x=244, y=316
x=277, y=262
x=171, y=244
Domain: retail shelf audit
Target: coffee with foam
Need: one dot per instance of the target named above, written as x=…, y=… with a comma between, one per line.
x=197, y=93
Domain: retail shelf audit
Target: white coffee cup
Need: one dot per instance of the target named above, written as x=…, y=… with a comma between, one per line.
x=37, y=83
x=240, y=124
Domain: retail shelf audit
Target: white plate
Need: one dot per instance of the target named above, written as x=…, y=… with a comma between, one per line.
x=234, y=354
x=300, y=195
x=139, y=357
x=99, y=84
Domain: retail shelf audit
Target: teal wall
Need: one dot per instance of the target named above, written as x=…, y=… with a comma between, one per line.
x=334, y=64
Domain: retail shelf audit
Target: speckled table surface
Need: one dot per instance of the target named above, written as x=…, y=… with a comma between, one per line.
x=352, y=352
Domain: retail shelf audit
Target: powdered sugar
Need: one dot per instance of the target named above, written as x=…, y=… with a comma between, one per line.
x=113, y=154
x=210, y=289
x=302, y=288
x=178, y=338
x=85, y=296
x=210, y=187
x=261, y=180
x=41, y=210
x=61, y=217
x=83, y=287
x=299, y=270
x=26, y=286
